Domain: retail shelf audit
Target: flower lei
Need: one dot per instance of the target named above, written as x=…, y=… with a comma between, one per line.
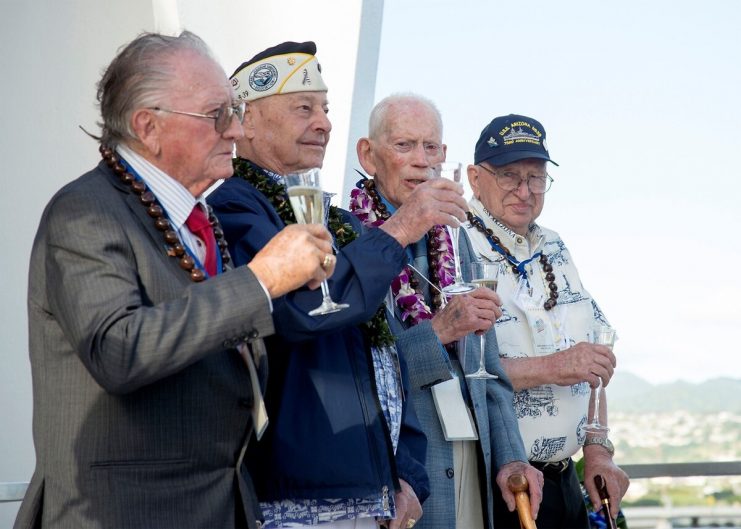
x=367, y=206
x=376, y=329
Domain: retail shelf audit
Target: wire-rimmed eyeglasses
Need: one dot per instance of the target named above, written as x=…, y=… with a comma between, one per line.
x=222, y=118
x=510, y=180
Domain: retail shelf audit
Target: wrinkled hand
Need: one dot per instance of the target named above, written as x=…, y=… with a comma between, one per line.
x=598, y=462
x=293, y=258
x=435, y=201
x=407, y=507
x=534, y=480
x=582, y=362
x=466, y=314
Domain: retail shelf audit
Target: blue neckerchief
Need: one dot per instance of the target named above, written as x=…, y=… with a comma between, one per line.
x=278, y=179
x=519, y=265
x=187, y=248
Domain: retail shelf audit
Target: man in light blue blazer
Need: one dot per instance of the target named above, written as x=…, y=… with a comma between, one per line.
x=402, y=149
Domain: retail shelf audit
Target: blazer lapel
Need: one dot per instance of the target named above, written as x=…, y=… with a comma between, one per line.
x=139, y=212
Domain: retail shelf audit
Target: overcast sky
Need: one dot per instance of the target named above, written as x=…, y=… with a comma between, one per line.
x=640, y=104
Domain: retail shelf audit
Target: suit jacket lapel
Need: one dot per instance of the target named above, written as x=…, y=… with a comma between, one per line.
x=139, y=212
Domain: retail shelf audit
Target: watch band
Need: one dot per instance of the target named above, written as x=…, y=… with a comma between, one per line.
x=604, y=442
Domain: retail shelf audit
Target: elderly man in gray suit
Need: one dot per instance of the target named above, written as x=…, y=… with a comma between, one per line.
x=402, y=149
x=145, y=344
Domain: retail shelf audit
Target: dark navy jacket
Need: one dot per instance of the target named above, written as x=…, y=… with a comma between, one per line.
x=327, y=436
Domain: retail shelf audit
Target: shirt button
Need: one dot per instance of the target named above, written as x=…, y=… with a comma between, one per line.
x=519, y=240
x=253, y=334
x=449, y=472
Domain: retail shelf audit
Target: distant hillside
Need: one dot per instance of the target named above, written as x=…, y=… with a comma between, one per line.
x=631, y=394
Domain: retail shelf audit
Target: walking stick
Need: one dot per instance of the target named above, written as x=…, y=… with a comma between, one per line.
x=518, y=485
x=599, y=481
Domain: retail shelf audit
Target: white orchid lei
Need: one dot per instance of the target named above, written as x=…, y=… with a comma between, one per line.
x=367, y=207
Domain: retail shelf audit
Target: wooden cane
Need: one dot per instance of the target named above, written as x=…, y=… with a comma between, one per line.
x=604, y=497
x=518, y=485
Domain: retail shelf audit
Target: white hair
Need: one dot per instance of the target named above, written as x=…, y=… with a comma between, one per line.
x=379, y=114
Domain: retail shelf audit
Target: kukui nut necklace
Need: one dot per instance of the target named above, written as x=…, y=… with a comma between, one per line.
x=175, y=247
x=518, y=268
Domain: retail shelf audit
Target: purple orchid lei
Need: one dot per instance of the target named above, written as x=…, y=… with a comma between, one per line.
x=366, y=206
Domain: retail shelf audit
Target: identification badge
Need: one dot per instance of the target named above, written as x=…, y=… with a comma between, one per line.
x=455, y=417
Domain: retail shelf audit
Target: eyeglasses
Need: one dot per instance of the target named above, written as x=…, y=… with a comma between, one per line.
x=405, y=146
x=510, y=180
x=222, y=118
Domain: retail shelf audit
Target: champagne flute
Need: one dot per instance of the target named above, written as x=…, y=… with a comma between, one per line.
x=307, y=202
x=603, y=335
x=452, y=171
x=484, y=274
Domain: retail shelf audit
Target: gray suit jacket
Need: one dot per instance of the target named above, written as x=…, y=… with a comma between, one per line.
x=499, y=437
x=141, y=403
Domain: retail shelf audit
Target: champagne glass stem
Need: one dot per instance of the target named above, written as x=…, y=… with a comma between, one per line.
x=454, y=232
x=482, y=365
x=595, y=414
x=459, y=286
x=325, y=291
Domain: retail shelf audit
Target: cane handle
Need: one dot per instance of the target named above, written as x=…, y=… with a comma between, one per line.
x=518, y=485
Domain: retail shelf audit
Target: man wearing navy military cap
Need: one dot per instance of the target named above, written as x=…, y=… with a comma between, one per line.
x=344, y=447
x=546, y=321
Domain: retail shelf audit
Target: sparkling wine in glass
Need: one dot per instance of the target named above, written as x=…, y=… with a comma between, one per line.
x=484, y=274
x=452, y=171
x=307, y=202
x=603, y=335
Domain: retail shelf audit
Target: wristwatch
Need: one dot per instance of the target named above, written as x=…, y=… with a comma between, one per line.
x=603, y=442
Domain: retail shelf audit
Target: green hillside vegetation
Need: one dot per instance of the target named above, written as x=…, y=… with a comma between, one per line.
x=629, y=393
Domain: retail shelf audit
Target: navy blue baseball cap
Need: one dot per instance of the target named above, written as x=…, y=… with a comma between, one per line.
x=508, y=139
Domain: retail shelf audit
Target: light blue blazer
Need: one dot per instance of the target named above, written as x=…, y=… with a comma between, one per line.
x=499, y=437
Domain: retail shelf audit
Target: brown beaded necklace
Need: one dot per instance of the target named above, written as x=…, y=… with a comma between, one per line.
x=175, y=247
x=496, y=244
x=433, y=252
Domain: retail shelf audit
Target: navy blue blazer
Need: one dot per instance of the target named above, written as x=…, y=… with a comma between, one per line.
x=327, y=436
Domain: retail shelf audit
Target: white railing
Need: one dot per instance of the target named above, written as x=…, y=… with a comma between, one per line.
x=638, y=517
x=12, y=491
x=670, y=517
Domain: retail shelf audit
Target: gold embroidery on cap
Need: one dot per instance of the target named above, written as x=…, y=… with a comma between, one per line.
x=291, y=61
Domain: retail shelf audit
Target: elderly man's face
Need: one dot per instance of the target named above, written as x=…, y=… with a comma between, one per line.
x=287, y=133
x=517, y=209
x=404, y=154
x=189, y=148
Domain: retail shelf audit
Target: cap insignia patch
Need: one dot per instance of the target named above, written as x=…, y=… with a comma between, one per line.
x=263, y=77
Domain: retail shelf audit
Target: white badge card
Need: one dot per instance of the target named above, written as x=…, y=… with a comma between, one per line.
x=259, y=412
x=455, y=417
